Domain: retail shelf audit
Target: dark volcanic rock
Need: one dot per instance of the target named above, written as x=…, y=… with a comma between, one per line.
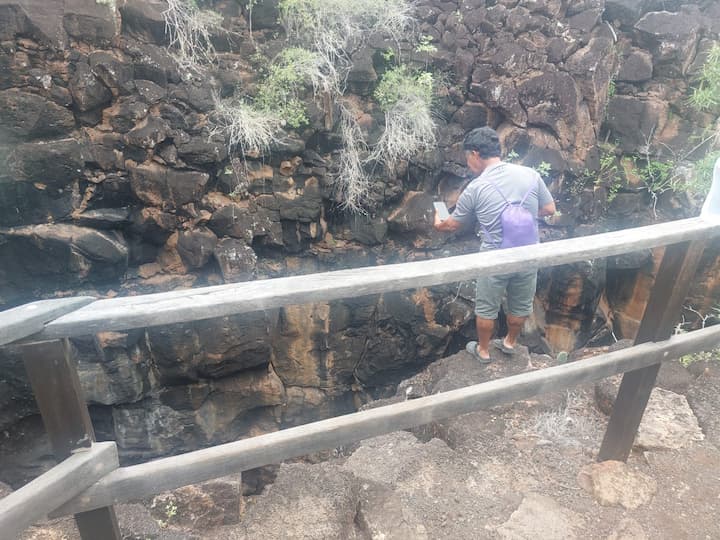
x=213, y=348
x=672, y=38
x=143, y=18
x=633, y=120
x=29, y=116
x=88, y=91
x=240, y=222
x=551, y=100
x=196, y=247
x=237, y=260
x=55, y=257
x=114, y=72
x=91, y=22
x=636, y=67
x=23, y=203
x=164, y=187
x=53, y=163
x=148, y=133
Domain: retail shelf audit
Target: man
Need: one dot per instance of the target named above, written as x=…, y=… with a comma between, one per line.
x=484, y=200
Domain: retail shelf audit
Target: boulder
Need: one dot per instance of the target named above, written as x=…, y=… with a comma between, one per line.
x=593, y=67
x=240, y=221
x=113, y=70
x=471, y=115
x=53, y=163
x=23, y=203
x=26, y=116
x=633, y=121
x=89, y=93
x=200, y=506
x=412, y=489
x=213, y=348
x=668, y=423
x=167, y=188
x=237, y=260
x=539, y=516
x=95, y=22
x=301, y=203
x=196, y=246
x=55, y=257
x=614, y=483
x=147, y=133
x=144, y=19
x=551, y=100
x=672, y=38
x=313, y=502
x=636, y=67
x=414, y=214
x=199, y=151
x=112, y=374
x=196, y=415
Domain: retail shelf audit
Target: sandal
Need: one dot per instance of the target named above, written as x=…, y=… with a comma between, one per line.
x=471, y=347
x=500, y=344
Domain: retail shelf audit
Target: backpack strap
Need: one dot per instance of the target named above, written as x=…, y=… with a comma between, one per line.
x=526, y=196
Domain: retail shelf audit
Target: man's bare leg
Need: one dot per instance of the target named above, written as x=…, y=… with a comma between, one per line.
x=485, y=329
x=515, y=325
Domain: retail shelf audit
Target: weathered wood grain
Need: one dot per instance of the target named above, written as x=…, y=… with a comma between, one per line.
x=672, y=284
x=38, y=498
x=139, y=481
x=23, y=321
x=52, y=371
x=218, y=301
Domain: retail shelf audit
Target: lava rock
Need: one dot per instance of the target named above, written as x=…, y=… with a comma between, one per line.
x=88, y=91
x=28, y=116
x=237, y=260
x=161, y=186
x=54, y=163
x=196, y=247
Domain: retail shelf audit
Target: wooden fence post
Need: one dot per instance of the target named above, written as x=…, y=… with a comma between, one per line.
x=52, y=372
x=677, y=269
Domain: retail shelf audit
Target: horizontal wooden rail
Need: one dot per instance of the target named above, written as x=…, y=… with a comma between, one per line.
x=29, y=319
x=203, y=303
x=129, y=483
x=38, y=498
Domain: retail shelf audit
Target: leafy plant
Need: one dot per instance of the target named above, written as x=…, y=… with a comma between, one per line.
x=703, y=174
x=543, y=169
x=425, y=44
x=512, y=155
x=406, y=98
x=244, y=127
x=706, y=95
x=334, y=28
x=280, y=93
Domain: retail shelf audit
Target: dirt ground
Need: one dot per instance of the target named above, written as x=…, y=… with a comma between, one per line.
x=521, y=471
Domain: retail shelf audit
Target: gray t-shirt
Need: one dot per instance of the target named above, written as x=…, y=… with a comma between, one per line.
x=481, y=202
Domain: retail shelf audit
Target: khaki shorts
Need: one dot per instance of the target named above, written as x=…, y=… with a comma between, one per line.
x=519, y=288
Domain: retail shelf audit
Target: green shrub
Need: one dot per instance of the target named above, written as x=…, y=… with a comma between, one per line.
x=406, y=98
x=706, y=94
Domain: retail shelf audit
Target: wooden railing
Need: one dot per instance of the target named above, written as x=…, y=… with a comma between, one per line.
x=43, y=328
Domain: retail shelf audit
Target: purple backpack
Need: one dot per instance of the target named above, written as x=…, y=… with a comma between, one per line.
x=519, y=227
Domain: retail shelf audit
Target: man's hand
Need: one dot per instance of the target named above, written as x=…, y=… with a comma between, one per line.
x=449, y=225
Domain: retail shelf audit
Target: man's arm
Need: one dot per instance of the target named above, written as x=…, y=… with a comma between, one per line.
x=547, y=210
x=449, y=225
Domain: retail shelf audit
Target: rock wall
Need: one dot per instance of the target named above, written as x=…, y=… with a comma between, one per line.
x=114, y=183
